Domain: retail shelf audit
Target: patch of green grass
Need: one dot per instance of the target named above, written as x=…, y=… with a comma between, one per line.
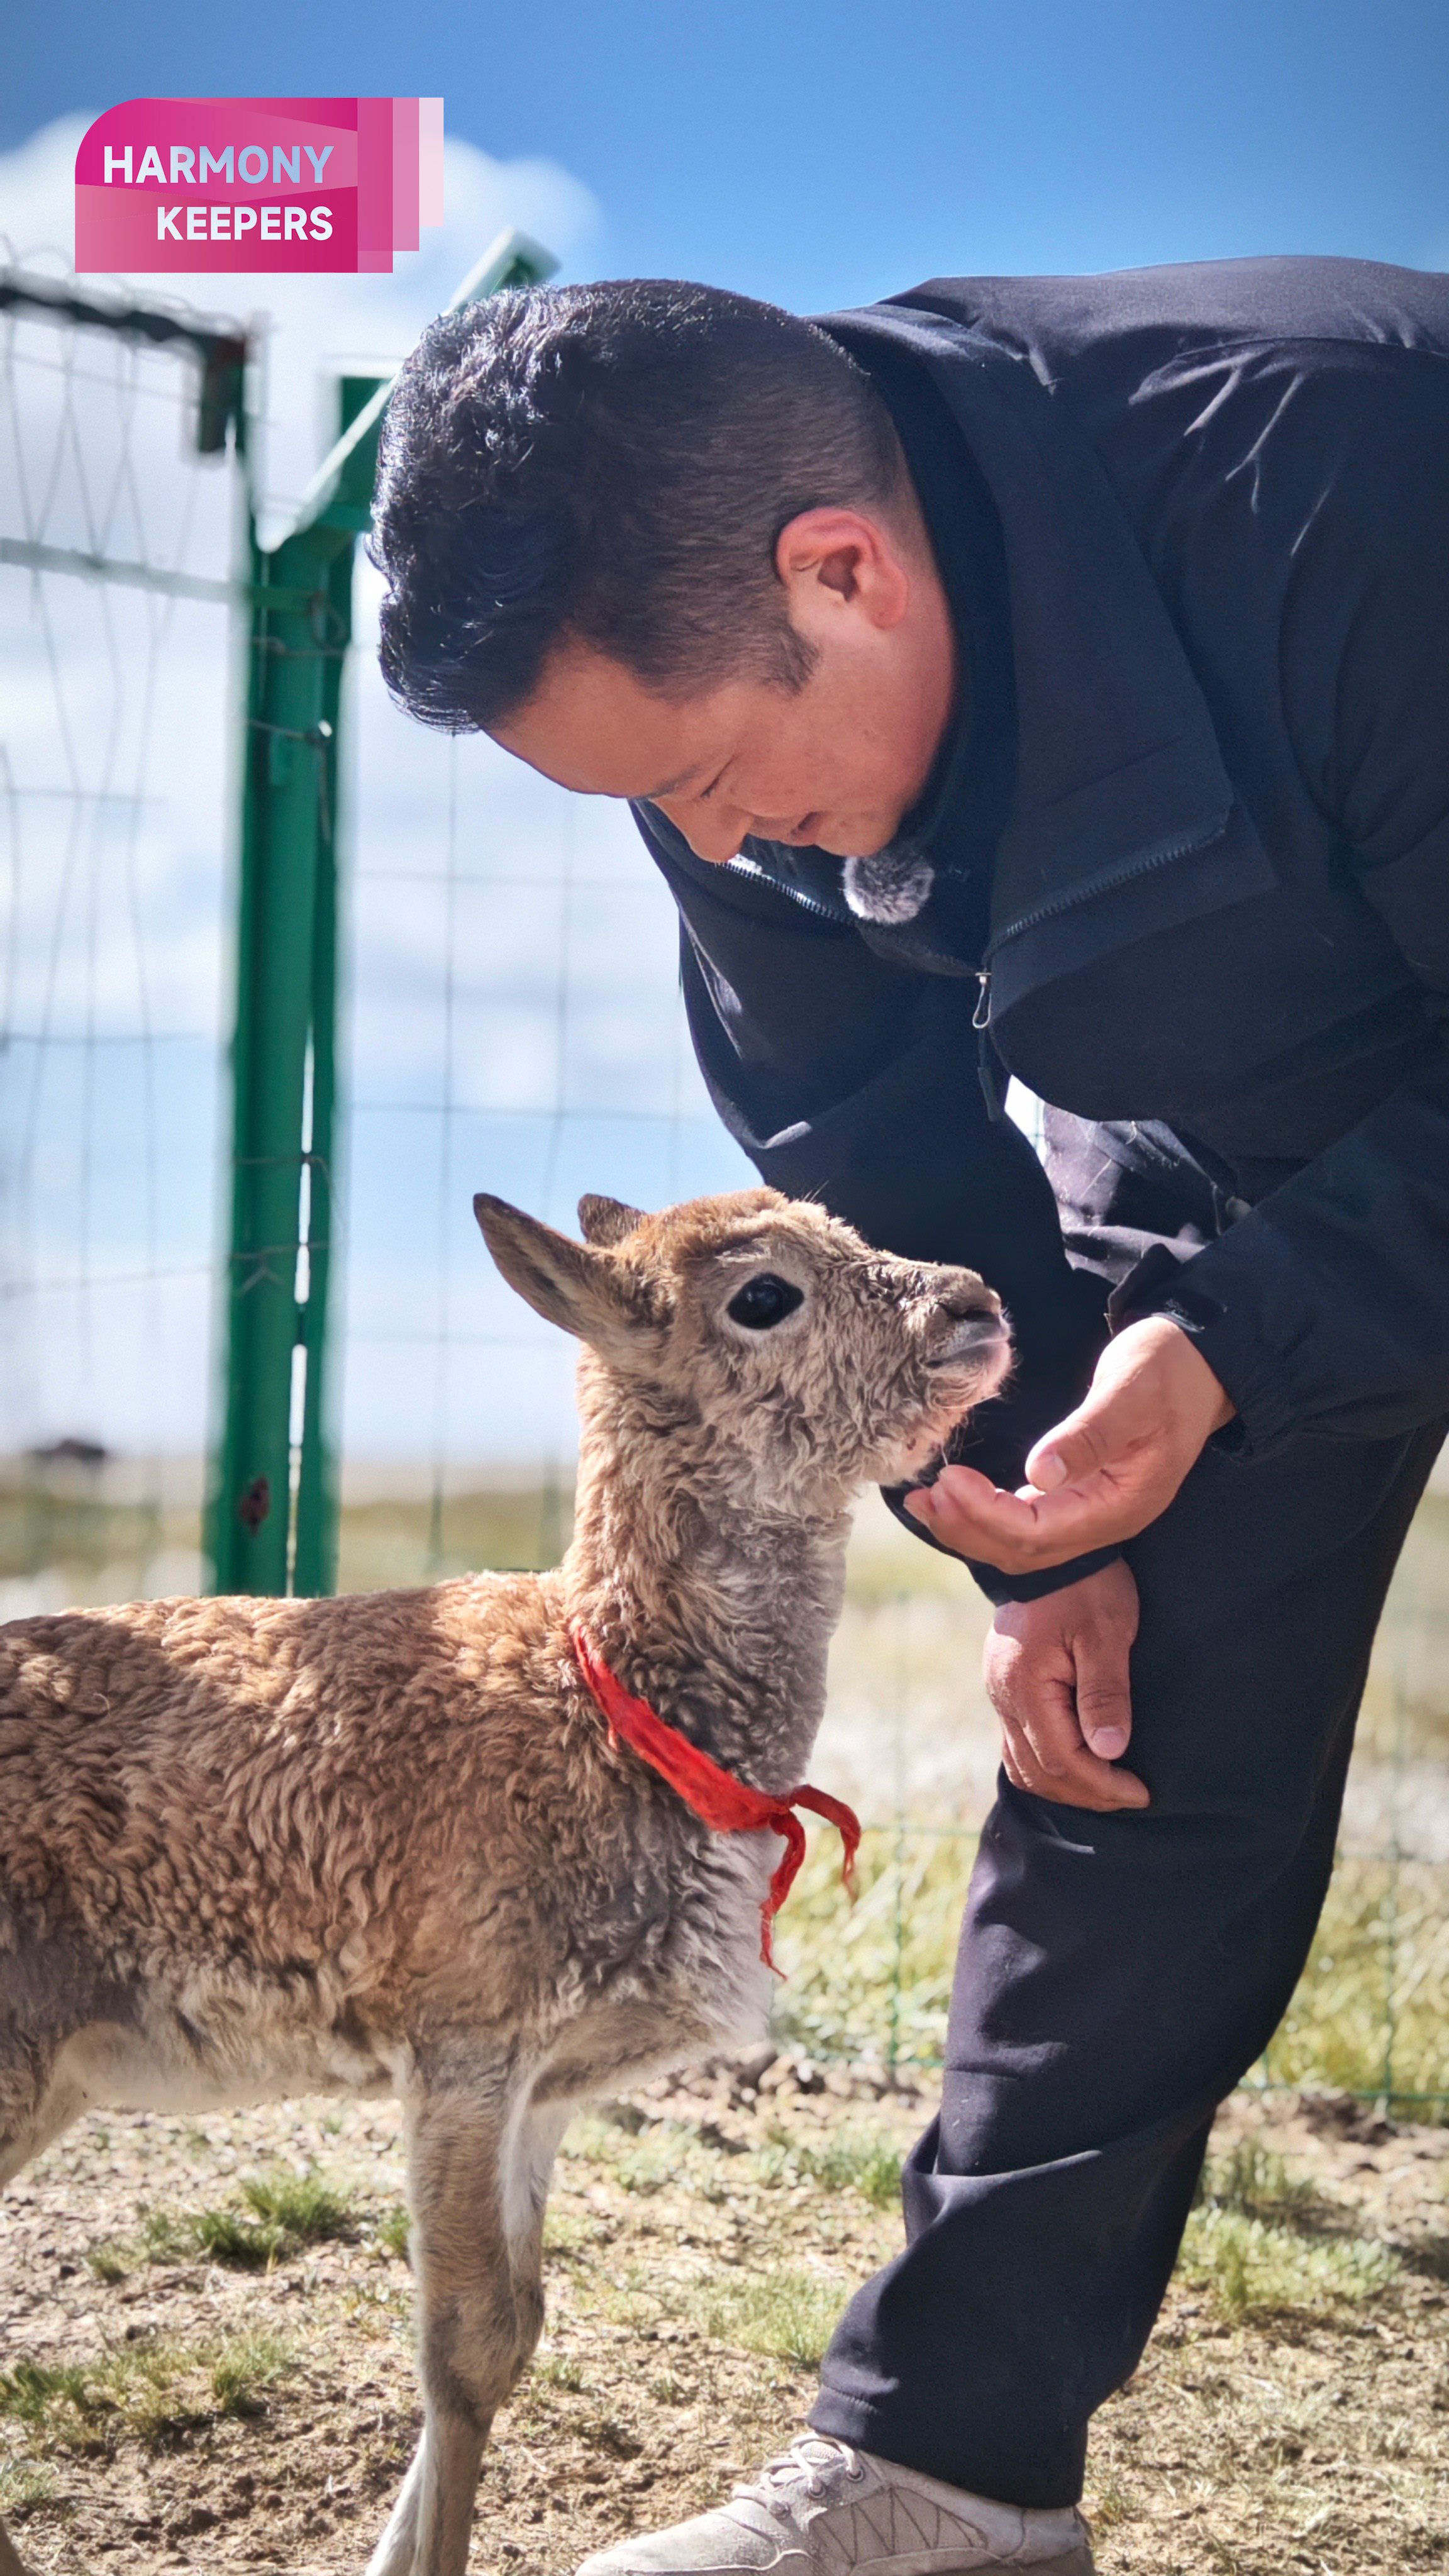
x=1379, y=1964
x=789, y=2314
x=1252, y=2266
x=305, y=2206
x=567, y=2231
x=33, y=2389
x=391, y=2232
x=853, y=2160
x=651, y=2167
x=108, y=2262
x=590, y=2140
x=1110, y=2505
x=24, y=2483
x=246, y=2365
x=559, y=2370
x=149, y=2391
x=225, y=2236
x=283, y=2213
x=165, y=2236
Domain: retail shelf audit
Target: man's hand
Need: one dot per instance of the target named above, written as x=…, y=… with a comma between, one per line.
x=1056, y=1675
x=1104, y=1473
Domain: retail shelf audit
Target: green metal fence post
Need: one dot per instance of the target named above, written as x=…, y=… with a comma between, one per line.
x=281, y=1063
x=272, y=1511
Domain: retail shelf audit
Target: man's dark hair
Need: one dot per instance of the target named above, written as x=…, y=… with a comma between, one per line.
x=614, y=464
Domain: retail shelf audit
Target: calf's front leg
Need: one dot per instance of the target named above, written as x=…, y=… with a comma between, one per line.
x=472, y=2340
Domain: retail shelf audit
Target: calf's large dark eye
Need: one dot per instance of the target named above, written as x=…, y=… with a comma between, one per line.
x=764, y=1301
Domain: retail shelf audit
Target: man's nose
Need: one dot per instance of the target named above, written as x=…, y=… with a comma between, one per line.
x=714, y=833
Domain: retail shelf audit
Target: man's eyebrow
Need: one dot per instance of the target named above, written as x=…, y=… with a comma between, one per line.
x=671, y=786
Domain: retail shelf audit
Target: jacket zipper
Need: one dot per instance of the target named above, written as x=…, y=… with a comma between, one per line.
x=1101, y=885
x=1025, y=921
x=792, y=894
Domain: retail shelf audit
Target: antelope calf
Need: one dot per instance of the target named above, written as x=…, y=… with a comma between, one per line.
x=455, y=1843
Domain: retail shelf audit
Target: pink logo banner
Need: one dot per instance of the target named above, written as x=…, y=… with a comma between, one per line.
x=262, y=185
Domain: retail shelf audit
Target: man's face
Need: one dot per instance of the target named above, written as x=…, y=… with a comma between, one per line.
x=836, y=763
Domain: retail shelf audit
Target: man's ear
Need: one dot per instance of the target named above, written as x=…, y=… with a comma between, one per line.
x=606, y=1220
x=572, y=1284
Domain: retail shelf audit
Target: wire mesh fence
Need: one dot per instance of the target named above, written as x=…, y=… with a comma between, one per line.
x=115, y=543
x=515, y=1025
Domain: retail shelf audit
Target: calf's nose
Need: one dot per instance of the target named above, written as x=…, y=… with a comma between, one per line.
x=963, y=1295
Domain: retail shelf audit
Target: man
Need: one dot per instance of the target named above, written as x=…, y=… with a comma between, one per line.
x=1044, y=677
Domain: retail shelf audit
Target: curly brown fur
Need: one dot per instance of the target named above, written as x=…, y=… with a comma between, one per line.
x=251, y=1848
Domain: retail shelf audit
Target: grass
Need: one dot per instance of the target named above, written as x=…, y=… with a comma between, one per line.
x=151, y=2392
x=853, y=2160
x=391, y=2232
x=1261, y=2242
x=25, y=2483
x=282, y=2213
x=1252, y=2267
x=304, y=2206
x=244, y=2367
x=788, y=2314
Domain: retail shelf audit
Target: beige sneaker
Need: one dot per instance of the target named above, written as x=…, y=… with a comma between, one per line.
x=827, y=2510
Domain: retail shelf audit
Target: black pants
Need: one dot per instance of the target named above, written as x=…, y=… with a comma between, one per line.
x=1119, y=1974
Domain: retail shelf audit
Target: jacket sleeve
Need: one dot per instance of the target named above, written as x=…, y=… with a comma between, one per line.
x=1327, y=1308
x=851, y=1079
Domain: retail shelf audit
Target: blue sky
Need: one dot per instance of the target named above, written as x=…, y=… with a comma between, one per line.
x=819, y=151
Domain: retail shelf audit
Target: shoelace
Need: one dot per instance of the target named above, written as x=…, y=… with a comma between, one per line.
x=802, y=2466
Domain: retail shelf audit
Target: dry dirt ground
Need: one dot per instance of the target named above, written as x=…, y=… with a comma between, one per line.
x=206, y=2336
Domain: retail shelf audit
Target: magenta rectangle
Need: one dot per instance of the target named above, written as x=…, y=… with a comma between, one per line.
x=430, y=160
x=374, y=186
x=404, y=174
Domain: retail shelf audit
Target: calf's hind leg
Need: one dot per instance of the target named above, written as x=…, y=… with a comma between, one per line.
x=10, y=2565
x=474, y=2329
x=35, y=2127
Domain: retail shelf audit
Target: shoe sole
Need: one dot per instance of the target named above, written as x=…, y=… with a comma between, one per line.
x=1080, y=2563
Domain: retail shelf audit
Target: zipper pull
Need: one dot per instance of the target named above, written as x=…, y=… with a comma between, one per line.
x=991, y=1073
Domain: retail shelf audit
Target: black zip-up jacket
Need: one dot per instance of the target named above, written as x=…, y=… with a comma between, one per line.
x=1210, y=924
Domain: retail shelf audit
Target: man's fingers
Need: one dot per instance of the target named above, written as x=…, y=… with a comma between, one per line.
x=1087, y=1440
x=1080, y=1781
x=956, y=1490
x=1104, y=1698
x=1045, y=1748
x=1019, y=1532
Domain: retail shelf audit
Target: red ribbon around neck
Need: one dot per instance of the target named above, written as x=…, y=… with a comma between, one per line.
x=730, y=1805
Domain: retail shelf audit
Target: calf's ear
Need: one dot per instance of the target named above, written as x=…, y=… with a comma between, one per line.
x=580, y=1286
x=606, y=1220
